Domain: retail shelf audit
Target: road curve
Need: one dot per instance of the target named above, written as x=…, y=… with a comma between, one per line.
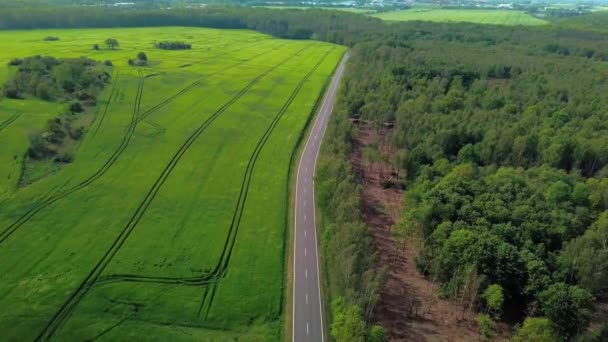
x=307, y=304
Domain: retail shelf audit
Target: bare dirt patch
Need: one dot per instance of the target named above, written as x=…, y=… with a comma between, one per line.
x=409, y=307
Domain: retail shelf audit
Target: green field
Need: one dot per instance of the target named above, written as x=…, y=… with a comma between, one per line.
x=496, y=17
x=170, y=222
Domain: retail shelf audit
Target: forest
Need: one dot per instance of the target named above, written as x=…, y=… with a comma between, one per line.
x=501, y=133
x=503, y=144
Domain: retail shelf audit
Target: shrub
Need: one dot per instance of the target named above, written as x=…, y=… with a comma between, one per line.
x=77, y=133
x=11, y=91
x=76, y=107
x=15, y=62
x=175, y=45
x=142, y=56
x=96, y=47
x=107, y=62
x=51, y=38
x=486, y=326
x=64, y=158
x=137, y=62
x=494, y=299
x=535, y=329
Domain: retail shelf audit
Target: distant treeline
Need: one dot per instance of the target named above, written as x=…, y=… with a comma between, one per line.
x=294, y=24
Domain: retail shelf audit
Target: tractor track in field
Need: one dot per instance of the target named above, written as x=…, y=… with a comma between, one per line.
x=69, y=305
x=196, y=83
x=221, y=267
x=137, y=118
x=9, y=121
x=105, y=110
x=54, y=198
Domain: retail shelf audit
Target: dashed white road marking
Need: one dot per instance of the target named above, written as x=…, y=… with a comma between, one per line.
x=304, y=251
x=304, y=217
x=306, y=273
x=310, y=154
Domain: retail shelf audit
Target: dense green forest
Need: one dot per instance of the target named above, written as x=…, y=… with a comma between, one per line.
x=504, y=139
x=502, y=133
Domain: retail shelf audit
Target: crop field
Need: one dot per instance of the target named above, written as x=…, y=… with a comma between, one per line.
x=170, y=223
x=496, y=17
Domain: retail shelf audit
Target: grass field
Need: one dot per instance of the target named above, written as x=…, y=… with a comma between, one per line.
x=496, y=17
x=170, y=222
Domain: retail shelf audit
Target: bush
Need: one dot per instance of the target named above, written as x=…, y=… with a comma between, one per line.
x=494, y=299
x=142, y=57
x=11, y=91
x=51, y=38
x=38, y=148
x=107, y=62
x=175, y=45
x=64, y=158
x=76, y=107
x=486, y=326
x=137, y=62
x=535, y=329
x=77, y=133
x=96, y=47
x=15, y=62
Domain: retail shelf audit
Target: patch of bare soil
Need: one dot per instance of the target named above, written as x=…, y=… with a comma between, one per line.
x=409, y=307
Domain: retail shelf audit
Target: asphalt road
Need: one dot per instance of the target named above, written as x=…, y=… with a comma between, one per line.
x=307, y=308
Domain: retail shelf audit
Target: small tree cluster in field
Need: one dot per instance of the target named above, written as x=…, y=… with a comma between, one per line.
x=47, y=144
x=111, y=43
x=51, y=39
x=173, y=45
x=77, y=81
x=142, y=60
x=53, y=79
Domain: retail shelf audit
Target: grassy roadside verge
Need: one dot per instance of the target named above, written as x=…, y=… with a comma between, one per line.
x=292, y=179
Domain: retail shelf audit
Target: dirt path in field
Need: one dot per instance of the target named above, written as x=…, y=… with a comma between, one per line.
x=409, y=307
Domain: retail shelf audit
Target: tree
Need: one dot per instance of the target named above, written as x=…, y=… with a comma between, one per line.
x=585, y=259
x=568, y=307
x=142, y=57
x=96, y=47
x=112, y=43
x=536, y=329
x=348, y=324
x=494, y=299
